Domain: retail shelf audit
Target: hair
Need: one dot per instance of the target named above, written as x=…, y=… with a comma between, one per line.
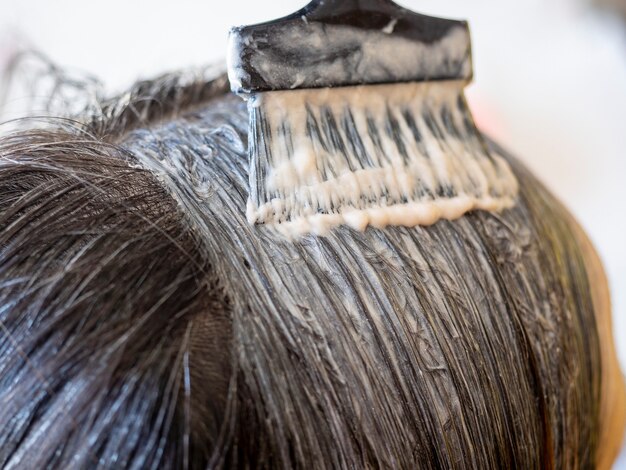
x=145, y=324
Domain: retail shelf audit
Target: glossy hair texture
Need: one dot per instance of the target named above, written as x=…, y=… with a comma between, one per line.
x=145, y=324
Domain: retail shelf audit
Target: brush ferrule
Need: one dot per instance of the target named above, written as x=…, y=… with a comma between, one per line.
x=347, y=43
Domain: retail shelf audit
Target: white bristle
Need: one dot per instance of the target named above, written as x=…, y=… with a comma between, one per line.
x=403, y=154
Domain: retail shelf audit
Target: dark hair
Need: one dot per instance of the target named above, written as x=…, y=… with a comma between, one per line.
x=145, y=324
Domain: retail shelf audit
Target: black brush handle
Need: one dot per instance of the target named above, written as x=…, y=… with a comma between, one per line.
x=347, y=42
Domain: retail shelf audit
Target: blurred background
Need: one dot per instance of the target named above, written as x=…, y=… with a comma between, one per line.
x=550, y=81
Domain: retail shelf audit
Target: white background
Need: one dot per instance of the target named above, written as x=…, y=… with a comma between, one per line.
x=550, y=82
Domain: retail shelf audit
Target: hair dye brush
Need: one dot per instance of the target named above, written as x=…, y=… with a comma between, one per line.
x=358, y=117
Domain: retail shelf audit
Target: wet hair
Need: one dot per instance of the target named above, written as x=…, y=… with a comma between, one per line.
x=145, y=324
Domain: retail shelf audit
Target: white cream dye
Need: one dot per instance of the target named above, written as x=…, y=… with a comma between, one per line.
x=312, y=189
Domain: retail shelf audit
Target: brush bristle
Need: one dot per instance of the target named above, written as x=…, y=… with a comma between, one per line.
x=404, y=154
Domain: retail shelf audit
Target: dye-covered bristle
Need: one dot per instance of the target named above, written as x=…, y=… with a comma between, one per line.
x=379, y=155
